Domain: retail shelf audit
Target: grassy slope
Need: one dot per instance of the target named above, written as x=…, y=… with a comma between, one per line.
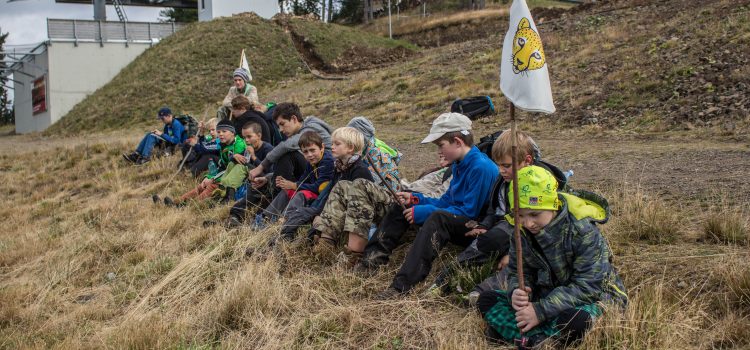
x=191, y=70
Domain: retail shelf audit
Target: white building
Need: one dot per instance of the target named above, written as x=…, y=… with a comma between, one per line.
x=79, y=58
x=210, y=9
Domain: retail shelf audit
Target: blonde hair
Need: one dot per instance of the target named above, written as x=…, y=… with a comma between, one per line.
x=211, y=123
x=351, y=137
x=503, y=146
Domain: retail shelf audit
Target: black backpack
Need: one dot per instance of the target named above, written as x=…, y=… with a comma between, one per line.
x=190, y=124
x=486, y=142
x=474, y=107
x=276, y=136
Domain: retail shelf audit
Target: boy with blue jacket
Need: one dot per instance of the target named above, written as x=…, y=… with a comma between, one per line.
x=442, y=219
x=172, y=135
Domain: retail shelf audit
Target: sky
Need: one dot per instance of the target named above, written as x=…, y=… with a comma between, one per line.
x=26, y=20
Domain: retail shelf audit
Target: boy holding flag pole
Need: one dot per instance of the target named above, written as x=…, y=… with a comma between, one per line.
x=569, y=274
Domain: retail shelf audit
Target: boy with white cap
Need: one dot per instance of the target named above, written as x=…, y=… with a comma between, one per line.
x=442, y=219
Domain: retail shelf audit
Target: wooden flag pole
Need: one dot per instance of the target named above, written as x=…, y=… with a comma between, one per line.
x=516, y=222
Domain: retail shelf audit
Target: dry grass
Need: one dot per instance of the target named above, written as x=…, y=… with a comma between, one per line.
x=642, y=217
x=87, y=261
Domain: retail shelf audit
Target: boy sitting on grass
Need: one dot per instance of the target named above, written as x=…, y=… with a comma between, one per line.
x=442, y=219
x=493, y=234
x=205, y=148
x=567, y=266
x=255, y=151
x=299, y=194
x=348, y=144
x=172, y=135
x=231, y=145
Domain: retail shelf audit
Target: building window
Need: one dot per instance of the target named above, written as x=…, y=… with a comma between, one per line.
x=203, y=4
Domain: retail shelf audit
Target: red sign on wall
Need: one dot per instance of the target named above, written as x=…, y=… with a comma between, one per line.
x=39, y=96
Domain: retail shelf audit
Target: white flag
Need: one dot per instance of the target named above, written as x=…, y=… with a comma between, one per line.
x=245, y=65
x=524, y=78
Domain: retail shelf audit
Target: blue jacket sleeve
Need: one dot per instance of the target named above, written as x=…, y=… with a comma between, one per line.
x=325, y=173
x=465, y=201
x=177, y=131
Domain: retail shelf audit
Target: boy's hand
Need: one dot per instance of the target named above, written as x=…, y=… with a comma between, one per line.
x=259, y=182
x=251, y=153
x=285, y=184
x=475, y=232
x=404, y=198
x=520, y=298
x=157, y=132
x=200, y=125
x=240, y=159
x=526, y=318
x=409, y=215
x=192, y=141
x=252, y=174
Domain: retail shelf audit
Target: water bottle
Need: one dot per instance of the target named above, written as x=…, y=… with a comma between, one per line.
x=568, y=174
x=212, y=168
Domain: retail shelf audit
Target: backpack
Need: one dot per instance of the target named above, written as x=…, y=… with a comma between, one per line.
x=474, y=107
x=190, y=124
x=486, y=142
x=276, y=136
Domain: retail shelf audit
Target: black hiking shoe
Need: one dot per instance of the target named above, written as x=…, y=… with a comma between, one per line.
x=132, y=157
x=168, y=201
x=209, y=223
x=142, y=160
x=388, y=294
x=156, y=199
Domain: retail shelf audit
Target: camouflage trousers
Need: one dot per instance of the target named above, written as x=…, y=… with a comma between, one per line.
x=353, y=206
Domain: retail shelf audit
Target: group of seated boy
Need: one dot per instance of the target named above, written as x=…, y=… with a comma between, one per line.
x=342, y=189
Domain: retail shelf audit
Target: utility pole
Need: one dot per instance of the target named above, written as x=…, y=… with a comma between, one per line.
x=390, y=26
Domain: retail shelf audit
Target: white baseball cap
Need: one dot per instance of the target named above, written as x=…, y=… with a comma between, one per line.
x=448, y=122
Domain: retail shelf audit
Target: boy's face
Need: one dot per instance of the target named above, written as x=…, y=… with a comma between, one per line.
x=450, y=151
x=288, y=127
x=251, y=138
x=225, y=136
x=239, y=83
x=339, y=149
x=212, y=131
x=313, y=154
x=167, y=119
x=506, y=166
x=535, y=220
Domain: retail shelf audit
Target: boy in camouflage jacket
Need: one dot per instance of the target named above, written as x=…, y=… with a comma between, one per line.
x=567, y=266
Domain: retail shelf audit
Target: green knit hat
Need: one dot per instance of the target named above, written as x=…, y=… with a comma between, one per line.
x=537, y=189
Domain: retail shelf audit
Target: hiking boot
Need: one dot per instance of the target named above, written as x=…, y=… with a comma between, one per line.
x=142, y=160
x=168, y=201
x=232, y=222
x=537, y=341
x=365, y=269
x=132, y=157
x=156, y=199
x=349, y=259
x=313, y=236
x=388, y=294
x=325, y=249
x=228, y=196
x=209, y=223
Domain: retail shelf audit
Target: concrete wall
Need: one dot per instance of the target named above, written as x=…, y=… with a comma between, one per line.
x=74, y=72
x=26, y=121
x=210, y=9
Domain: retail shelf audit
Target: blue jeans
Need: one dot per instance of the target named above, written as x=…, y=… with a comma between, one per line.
x=147, y=144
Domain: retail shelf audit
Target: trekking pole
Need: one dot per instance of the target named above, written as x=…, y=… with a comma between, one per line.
x=385, y=183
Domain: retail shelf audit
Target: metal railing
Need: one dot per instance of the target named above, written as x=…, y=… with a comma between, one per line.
x=73, y=30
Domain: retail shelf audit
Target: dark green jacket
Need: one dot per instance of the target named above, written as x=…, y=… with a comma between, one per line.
x=569, y=263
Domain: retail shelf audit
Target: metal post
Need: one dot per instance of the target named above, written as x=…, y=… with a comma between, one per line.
x=75, y=33
x=101, y=35
x=150, y=39
x=390, y=26
x=127, y=39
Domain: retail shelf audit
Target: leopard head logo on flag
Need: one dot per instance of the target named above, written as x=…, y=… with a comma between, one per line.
x=528, y=53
